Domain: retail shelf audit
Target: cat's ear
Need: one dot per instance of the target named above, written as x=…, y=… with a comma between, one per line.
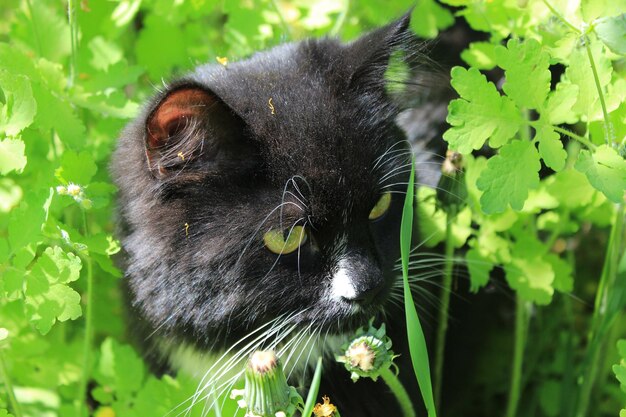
x=190, y=124
x=369, y=55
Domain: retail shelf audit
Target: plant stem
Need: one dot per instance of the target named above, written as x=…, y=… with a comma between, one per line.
x=608, y=128
x=35, y=30
x=283, y=22
x=398, y=390
x=442, y=326
x=572, y=135
x=71, y=16
x=8, y=385
x=600, y=320
x=518, y=357
x=341, y=19
x=313, y=390
x=82, y=386
x=561, y=18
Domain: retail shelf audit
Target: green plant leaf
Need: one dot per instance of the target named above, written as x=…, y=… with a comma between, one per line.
x=606, y=171
x=480, y=114
x=612, y=31
x=18, y=108
x=479, y=268
x=509, y=176
x=77, y=168
x=481, y=55
x=415, y=334
x=523, y=62
x=551, y=148
x=48, y=297
x=12, y=156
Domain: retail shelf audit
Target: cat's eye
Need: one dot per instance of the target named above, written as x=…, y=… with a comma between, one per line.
x=381, y=206
x=282, y=242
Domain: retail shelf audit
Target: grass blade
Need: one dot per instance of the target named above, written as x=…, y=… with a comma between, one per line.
x=315, y=386
x=417, y=342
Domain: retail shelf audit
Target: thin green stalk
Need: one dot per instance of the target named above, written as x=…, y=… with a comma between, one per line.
x=315, y=386
x=398, y=390
x=442, y=326
x=341, y=19
x=71, y=16
x=35, y=30
x=82, y=386
x=561, y=18
x=8, y=385
x=608, y=128
x=283, y=21
x=601, y=315
x=518, y=357
x=572, y=135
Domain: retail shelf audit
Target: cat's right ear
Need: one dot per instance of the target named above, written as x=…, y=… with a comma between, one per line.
x=189, y=125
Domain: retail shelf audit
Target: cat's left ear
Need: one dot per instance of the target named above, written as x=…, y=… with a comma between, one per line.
x=189, y=126
x=369, y=55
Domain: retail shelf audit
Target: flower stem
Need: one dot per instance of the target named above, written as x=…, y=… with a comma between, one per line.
x=4, y=375
x=282, y=19
x=561, y=18
x=572, y=135
x=71, y=16
x=518, y=357
x=608, y=127
x=341, y=19
x=442, y=326
x=398, y=390
x=313, y=390
x=600, y=323
x=82, y=386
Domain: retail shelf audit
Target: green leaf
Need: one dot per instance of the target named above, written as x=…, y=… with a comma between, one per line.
x=606, y=171
x=104, y=53
x=415, y=334
x=571, y=189
x=612, y=31
x=18, y=108
x=551, y=148
x=160, y=35
x=26, y=221
x=481, y=55
x=480, y=114
x=48, y=298
x=432, y=220
x=563, y=280
x=120, y=369
x=620, y=369
x=509, y=176
x=581, y=74
x=12, y=156
x=558, y=107
x=56, y=113
x=523, y=62
x=529, y=273
x=77, y=168
x=51, y=36
x=428, y=18
x=479, y=268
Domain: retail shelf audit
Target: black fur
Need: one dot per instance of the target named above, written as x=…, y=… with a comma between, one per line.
x=193, y=225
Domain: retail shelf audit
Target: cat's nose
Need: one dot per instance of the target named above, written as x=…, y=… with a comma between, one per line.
x=357, y=279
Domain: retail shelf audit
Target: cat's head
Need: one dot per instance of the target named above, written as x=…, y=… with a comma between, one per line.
x=270, y=187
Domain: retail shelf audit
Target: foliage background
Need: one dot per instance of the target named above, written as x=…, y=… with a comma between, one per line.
x=543, y=225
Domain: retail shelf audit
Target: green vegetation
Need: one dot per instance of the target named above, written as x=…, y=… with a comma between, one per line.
x=544, y=221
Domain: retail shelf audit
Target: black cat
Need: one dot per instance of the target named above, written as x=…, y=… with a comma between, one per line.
x=260, y=206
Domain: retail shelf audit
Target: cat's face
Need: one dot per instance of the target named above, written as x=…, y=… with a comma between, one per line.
x=271, y=187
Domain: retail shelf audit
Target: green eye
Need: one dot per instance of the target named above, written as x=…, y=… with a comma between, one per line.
x=381, y=206
x=282, y=243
